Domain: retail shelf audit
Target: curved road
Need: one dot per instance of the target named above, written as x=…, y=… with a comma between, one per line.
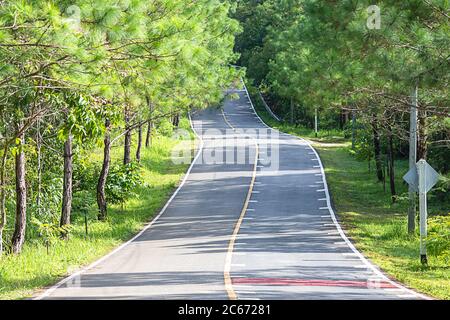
x=239, y=228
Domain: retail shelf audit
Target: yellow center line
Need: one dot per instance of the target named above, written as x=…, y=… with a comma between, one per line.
x=227, y=122
x=226, y=273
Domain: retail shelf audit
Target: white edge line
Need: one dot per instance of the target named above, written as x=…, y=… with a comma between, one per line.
x=333, y=215
x=92, y=265
x=407, y=296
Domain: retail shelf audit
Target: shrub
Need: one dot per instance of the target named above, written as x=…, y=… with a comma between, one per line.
x=165, y=128
x=122, y=179
x=438, y=240
x=50, y=232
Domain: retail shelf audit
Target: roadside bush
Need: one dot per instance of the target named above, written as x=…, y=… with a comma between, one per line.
x=121, y=181
x=50, y=232
x=442, y=190
x=438, y=240
x=83, y=201
x=85, y=175
x=165, y=128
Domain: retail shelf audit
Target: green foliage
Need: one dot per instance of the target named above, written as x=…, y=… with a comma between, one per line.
x=68, y=68
x=85, y=174
x=83, y=202
x=321, y=54
x=50, y=232
x=165, y=127
x=84, y=120
x=21, y=275
x=443, y=188
x=121, y=182
x=363, y=145
x=438, y=240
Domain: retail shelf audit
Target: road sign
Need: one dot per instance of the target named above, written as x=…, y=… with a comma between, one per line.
x=429, y=177
x=412, y=178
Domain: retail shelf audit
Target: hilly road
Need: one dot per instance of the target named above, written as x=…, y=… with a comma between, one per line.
x=252, y=220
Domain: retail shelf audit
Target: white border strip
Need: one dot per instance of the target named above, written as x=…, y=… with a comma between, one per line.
x=65, y=280
x=366, y=262
x=267, y=107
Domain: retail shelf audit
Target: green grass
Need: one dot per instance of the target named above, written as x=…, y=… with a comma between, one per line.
x=376, y=225
x=21, y=275
x=379, y=228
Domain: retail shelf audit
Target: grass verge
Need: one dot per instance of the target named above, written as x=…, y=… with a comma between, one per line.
x=34, y=268
x=377, y=227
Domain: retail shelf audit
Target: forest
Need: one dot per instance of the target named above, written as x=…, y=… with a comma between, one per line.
x=363, y=69
x=90, y=87
x=87, y=75
x=357, y=71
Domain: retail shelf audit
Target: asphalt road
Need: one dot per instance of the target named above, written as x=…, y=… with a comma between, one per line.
x=239, y=228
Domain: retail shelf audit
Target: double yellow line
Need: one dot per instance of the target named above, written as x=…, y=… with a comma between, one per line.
x=226, y=273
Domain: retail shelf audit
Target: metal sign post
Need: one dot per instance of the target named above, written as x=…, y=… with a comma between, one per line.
x=422, y=180
x=353, y=129
x=412, y=159
x=315, y=122
x=422, y=211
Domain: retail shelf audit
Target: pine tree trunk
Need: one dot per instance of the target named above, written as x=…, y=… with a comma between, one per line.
x=127, y=148
x=1, y=239
x=148, y=139
x=101, y=196
x=139, y=146
x=377, y=149
x=422, y=147
x=127, y=144
x=21, y=201
x=346, y=117
x=176, y=120
x=391, y=166
x=67, y=186
x=3, y=196
x=291, y=120
x=39, y=168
